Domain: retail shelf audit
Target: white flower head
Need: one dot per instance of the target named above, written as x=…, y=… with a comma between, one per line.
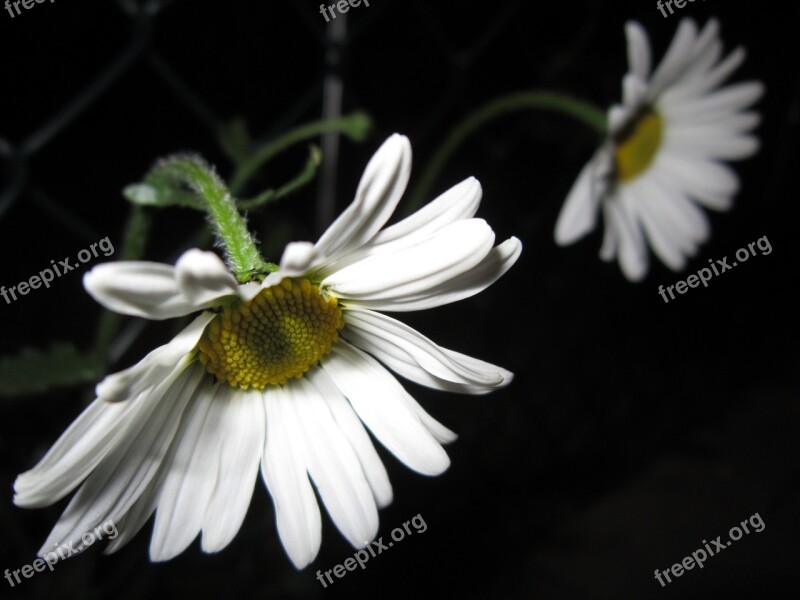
x=663, y=153
x=279, y=376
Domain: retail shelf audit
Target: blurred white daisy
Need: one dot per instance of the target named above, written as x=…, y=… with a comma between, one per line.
x=663, y=153
x=281, y=375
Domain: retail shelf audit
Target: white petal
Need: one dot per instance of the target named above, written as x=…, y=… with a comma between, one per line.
x=718, y=105
x=456, y=204
x=76, y=453
x=380, y=402
x=203, y=278
x=619, y=116
x=579, y=214
x=130, y=467
x=682, y=213
x=451, y=252
x=634, y=91
x=298, y=257
x=353, y=429
x=499, y=260
x=709, y=144
x=638, y=50
x=284, y=471
x=149, y=371
x=632, y=254
x=722, y=71
x=400, y=340
x=334, y=466
x=440, y=433
x=243, y=431
x=186, y=491
x=91, y=436
x=379, y=191
x=676, y=59
x=662, y=238
x=139, y=289
x=609, y=247
x=711, y=183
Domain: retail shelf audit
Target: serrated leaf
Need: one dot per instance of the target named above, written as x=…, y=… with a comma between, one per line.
x=33, y=371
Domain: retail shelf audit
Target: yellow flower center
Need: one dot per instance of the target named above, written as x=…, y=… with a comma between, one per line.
x=278, y=335
x=637, y=146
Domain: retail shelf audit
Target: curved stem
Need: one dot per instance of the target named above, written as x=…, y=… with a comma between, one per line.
x=355, y=126
x=241, y=252
x=563, y=103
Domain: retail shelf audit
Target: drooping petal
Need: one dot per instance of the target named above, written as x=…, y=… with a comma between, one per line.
x=363, y=381
x=243, y=431
x=632, y=251
x=608, y=248
x=663, y=240
x=130, y=466
x=713, y=184
x=440, y=433
x=353, y=429
x=127, y=384
x=186, y=491
x=579, y=214
x=333, y=466
x=406, y=345
x=284, y=471
x=96, y=431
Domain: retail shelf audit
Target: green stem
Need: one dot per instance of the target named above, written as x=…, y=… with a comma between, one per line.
x=301, y=179
x=241, y=252
x=355, y=126
x=528, y=100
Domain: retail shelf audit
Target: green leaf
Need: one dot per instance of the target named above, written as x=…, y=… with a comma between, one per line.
x=33, y=371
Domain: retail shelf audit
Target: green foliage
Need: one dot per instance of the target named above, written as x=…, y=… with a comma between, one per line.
x=35, y=371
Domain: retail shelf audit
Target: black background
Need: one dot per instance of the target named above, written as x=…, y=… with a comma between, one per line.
x=634, y=429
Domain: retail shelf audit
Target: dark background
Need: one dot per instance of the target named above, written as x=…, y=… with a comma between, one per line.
x=633, y=430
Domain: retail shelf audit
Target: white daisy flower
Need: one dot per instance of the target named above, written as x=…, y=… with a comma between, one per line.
x=664, y=150
x=281, y=376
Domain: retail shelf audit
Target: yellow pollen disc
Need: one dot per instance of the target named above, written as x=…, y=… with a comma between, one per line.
x=638, y=145
x=278, y=335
